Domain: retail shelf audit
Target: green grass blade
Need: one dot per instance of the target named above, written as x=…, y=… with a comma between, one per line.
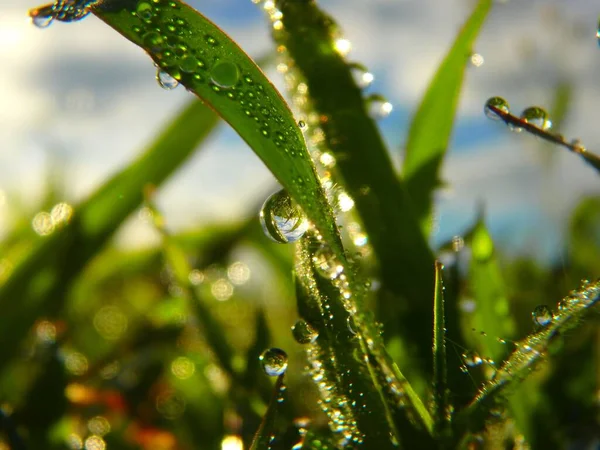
x=265, y=433
x=440, y=405
x=362, y=163
x=431, y=126
x=40, y=281
x=532, y=349
x=205, y=60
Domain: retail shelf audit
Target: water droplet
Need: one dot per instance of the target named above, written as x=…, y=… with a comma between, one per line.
x=536, y=116
x=302, y=125
x=304, y=333
x=189, y=64
x=498, y=103
x=542, y=315
x=42, y=21
x=144, y=10
x=282, y=220
x=274, y=361
x=362, y=77
x=378, y=106
x=472, y=359
x=342, y=46
x=153, y=40
x=225, y=74
x=326, y=263
x=165, y=80
x=477, y=60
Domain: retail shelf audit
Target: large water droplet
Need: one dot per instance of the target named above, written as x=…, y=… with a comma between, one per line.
x=542, y=315
x=225, y=74
x=536, y=116
x=144, y=10
x=274, y=361
x=472, y=359
x=165, y=80
x=498, y=103
x=282, y=220
x=304, y=333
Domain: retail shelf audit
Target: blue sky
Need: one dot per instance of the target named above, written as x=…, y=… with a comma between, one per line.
x=79, y=97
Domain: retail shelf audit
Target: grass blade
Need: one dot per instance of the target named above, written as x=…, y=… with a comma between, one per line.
x=431, y=127
x=40, y=280
x=440, y=411
x=362, y=163
x=204, y=59
x=265, y=433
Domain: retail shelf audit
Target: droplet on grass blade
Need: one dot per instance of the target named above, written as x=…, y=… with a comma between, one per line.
x=281, y=219
x=304, y=333
x=274, y=361
x=542, y=315
x=225, y=74
x=165, y=80
x=498, y=103
x=536, y=116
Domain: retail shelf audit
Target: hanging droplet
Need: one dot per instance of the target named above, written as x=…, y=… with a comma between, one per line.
x=165, y=80
x=362, y=77
x=498, y=103
x=225, y=74
x=536, y=116
x=41, y=21
x=282, y=220
x=378, y=106
x=274, y=361
x=304, y=333
x=472, y=359
x=542, y=315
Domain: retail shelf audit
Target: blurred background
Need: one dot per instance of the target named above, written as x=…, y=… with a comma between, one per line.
x=78, y=102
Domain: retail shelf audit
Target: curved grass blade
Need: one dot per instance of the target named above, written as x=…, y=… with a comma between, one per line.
x=441, y=406
x=204, y=59
x=41, y=280
x=431, y=127
x=364, y=165
x=532, y=349
x=266, y=432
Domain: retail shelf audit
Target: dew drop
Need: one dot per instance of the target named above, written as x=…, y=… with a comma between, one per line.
x=536, y=116
x=498, y=103
x=472, y=359
x=302, y=125
x=153, y=40
x=189, y=64
x=542, y=315
x=165, y=80
x=362, y=77
x=144, y=10
x=274, y=361
x=304, y=333
x=327, y=263
x=42, y=21
x=282, y=220
x=225, y=74
x=378, y=106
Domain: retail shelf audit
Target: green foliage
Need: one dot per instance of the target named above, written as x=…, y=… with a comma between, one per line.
x=165, y=347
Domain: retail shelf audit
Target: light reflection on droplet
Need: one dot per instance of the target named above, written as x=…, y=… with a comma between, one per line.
x=61, y=213
x=170, y=404
x=183, y=368
x=477, y=60
x=327, y=159
x=238, y=273
x=342, y=46
x=99, y=425
x=222, y=289
x=74, y=442
x=76, y=363
x=345, y=202
x=110, y=322
x=46, y=332
x=196, y=277
x=217, y=378
x=43, y=224
x=232, y=442
x=95, y=443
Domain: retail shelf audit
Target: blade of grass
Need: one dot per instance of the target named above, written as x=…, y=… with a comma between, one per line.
x=364, y=166
x=266, y=432
x=431, y=126
x=215, y=68
x=440, y=413
x=41, y=280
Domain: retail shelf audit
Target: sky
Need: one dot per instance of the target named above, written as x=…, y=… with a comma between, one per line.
x=80, y=102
